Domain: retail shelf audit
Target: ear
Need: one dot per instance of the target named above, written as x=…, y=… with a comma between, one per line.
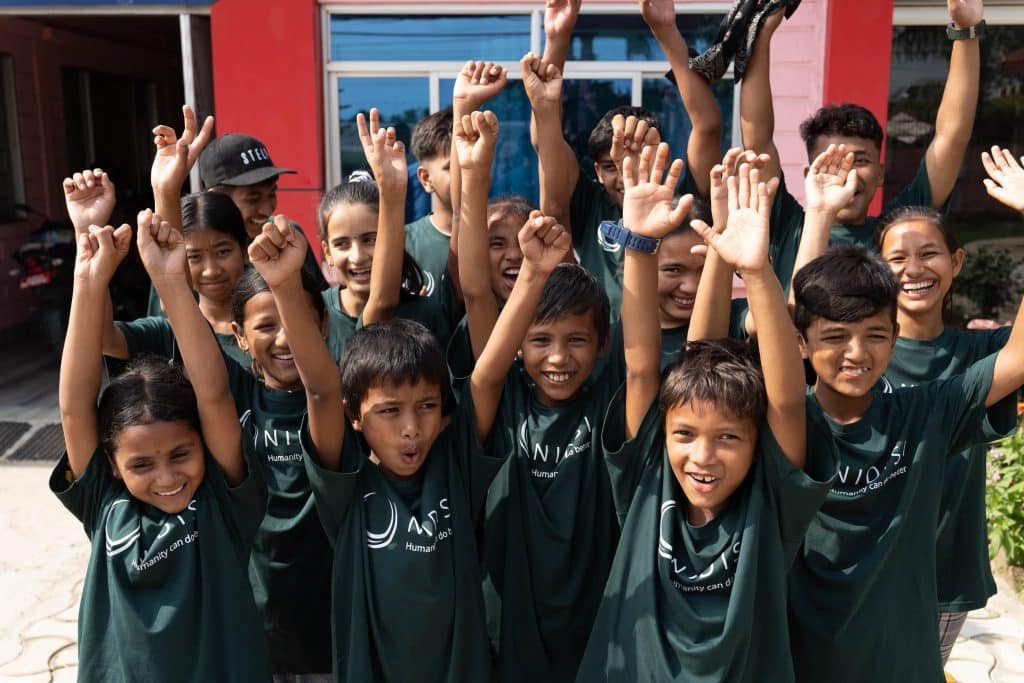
x=802, y=344
x=423, y=175
x=325, y=250
x=881, y=173
x=597, y=170
x=353, y=418
x=240, y=336
x=113, y=467
x=958, y=261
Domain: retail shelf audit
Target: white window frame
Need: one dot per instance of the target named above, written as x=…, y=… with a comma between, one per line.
x=434, y=71
x=915, y=13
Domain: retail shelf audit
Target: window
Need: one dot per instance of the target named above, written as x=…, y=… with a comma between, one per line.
x=405, y=64
x=12, y=184
x=920, y=60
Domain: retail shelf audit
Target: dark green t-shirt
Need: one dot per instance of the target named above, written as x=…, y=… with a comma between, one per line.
x=429, y=246
x=787, y=223
x=702, y=603
x=432, y=312
x=550, y=530
x=154, y=335
x=862, y=590
x=962, y=569
x=406, y=596
x=290, y=568
x=166, y=596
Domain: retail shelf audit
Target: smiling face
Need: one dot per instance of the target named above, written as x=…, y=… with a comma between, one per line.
x=505, y=255
x=609, y=177
x=849, y=358
x=161, y=463
x=870, y=172
x=710, y=451
x=400, y=424
x=916, y=251
x=559, y=356
x=262, y=336
x=257, y=203
x=351, y=235
x=215, y=263
x=678, y=275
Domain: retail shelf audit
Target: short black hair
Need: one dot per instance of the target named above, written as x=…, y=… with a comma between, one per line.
x=398, y=351
x=252, y=283
x=510, y=206
x=600, y=141
x=847, y=120
x=903, y=214
x=845, y=284
x=150, y=389
x=701, y=210
x=213, y=211
x=572, y=290
x=432, y=136
x=723, y=372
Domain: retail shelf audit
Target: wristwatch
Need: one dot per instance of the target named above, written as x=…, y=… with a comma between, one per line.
x=617, y=232
x=969, y=33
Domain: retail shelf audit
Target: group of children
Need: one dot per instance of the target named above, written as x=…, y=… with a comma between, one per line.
x=458, y=464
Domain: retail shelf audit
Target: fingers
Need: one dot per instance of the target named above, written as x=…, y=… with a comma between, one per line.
x=618, y=137
x=189, y=134
x=629, y=172
x=144, y=234
x=682, y=209
x=646, y=158
x=163, y=136
x=530, y=227
x=743, y=187
x=704, y=230
x=203, y=138
x=123, y=237
x=659, y=161
x=489, y=127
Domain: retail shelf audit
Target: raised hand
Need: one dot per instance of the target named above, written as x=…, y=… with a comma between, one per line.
x=90, y=198
x=542, y=82
x=161, y=247
x=830, y=182
x=560, y=17
x=629, y=136
x=278, y=252
x=384, y=152
x=658, y=14
x=544, y=242
x=476, y=136
x=647, y=203
x=744, y=242
x=720, y=173
x=175, y=156
x=100, y=251
x=477, y=83
x=1005, y=180
x=368, y=134
x=965, y=13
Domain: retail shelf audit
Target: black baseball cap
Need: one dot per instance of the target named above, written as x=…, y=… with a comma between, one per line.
x=236, y=159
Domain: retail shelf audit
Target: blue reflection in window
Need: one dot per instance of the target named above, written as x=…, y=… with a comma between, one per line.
x=625, y=37
x=662, y=97
x=429, y=37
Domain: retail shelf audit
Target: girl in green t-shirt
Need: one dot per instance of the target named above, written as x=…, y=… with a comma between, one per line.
x=154, y=463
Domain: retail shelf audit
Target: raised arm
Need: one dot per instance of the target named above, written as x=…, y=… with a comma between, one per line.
x=557, y=167
x=757, y=111
x=386, y=155
x=162, y=249
x=475, y=85
x=90, y=199
x=174, y=158
x=100, y=250
x=560, y=18
x=829, y=185
x=545, y=245
x=705, y=143
x=475, y=138
x=647, y=211
x=744, y=245
x=954, y=121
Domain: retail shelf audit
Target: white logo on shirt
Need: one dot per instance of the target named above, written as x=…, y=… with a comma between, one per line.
x=717, y=577
x=382, y=539
x=541, y=453
x=428, y=526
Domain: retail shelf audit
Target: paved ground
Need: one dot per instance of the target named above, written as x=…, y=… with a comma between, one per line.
x=44, y=553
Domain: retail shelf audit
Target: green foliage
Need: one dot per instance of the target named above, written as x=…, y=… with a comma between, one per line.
x=987, y=280
x=1004, y=498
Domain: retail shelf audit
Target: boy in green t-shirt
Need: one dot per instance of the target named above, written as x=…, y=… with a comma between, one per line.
x=862, y=591
x=859, y=130
x=565, y=191
x=398, y=491
x=427, y=239
x=714, y=480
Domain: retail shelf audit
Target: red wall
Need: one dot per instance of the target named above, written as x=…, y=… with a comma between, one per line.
x=267, y=82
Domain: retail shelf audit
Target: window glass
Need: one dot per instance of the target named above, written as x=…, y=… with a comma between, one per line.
x=625, y=37
x=662, y=97
x=585, y=101
x=920, y=61
x=401, y=101
x=429, y=37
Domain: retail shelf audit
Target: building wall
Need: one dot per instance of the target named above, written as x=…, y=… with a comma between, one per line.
x=39, y=52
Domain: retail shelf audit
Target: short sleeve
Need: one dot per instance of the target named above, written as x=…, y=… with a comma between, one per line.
x=459, y=353
x=83, y=496
x=628, y=459
x=242, y=385
x=798, y=494
x=962, y=401
x=246, y=503
x=917, y=193
x=333, y=491
x=477, y=466
x=152, y=334
x=589, y=199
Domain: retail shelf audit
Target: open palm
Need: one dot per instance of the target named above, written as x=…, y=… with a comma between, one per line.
x=647, y=204
x=744, y=242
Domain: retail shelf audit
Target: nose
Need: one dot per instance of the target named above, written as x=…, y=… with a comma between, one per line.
x=281, y=339
x=267, y=206
x=410, y=426
x=165, y=476
x=360, y=253
x=210, y=267
x=514, y=254
x=855, y=349
x=913, y=266
x=557, y=354
x=688, y=284
x=702, y=452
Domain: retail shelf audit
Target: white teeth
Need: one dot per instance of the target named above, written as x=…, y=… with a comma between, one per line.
x=855, y=371
x=918, y=286
x=284, y=356
x=510, y=272
x=558, y=377
x=171, y=493
x=357, y=272
x=703, y=478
